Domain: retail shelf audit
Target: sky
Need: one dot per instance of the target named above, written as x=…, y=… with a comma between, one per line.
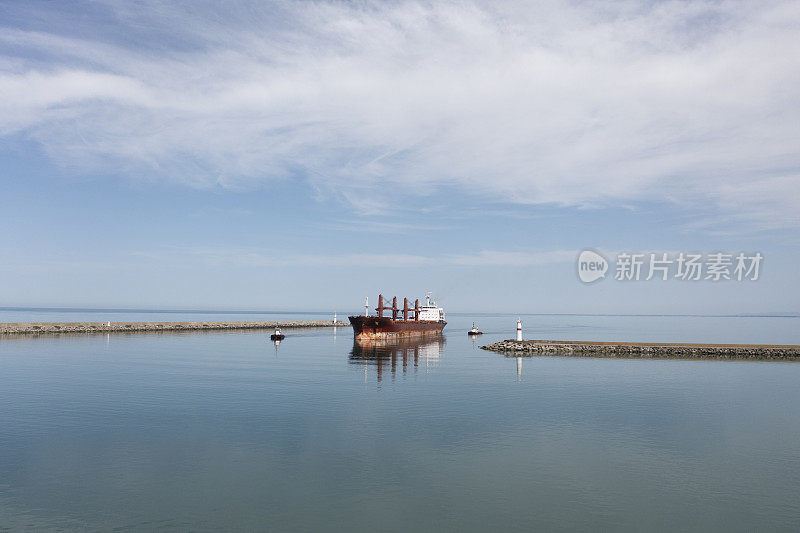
x=304, y=155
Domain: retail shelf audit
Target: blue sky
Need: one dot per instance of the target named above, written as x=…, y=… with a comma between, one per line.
x=303, y=155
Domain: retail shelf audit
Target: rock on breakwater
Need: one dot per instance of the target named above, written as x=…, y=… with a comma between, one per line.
x=651, y=350
x=127, y=327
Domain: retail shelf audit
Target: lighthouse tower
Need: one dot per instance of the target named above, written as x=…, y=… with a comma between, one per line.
x=519, y=329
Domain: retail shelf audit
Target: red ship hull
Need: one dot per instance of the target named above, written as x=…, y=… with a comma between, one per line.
x=376, y=327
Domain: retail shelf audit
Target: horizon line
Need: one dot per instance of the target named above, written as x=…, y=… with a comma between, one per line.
x=475, y=313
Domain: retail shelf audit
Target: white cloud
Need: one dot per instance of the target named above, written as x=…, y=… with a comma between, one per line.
x=588, y=104
x=268, y=258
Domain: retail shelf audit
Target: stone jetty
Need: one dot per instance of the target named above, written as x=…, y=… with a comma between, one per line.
x=17, y=328
x=649, y=350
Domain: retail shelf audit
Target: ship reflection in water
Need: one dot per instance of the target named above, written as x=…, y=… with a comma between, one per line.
x=383, y=354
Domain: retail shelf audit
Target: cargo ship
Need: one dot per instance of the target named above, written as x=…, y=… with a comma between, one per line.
x=419, y=320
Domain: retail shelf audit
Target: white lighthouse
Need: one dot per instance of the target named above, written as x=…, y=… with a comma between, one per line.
x=519, y=329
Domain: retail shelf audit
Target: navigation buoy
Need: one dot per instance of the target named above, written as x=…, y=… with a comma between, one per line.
x=278, y=335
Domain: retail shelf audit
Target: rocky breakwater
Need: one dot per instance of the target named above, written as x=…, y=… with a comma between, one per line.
x=18, y=328
x=649, y=350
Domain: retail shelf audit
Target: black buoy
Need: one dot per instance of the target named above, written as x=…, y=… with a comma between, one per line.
x=278, y=335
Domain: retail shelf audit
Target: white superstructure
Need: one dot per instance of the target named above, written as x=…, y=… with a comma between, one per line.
x=429, y=311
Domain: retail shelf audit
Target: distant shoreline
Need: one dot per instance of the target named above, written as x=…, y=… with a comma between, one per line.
x=35, y=328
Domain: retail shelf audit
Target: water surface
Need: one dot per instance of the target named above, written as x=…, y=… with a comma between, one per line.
x=222, y=430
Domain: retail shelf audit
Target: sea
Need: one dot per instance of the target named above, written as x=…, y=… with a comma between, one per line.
x=227, y=430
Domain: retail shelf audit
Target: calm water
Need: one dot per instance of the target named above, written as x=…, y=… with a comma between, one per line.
x=209, y=431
